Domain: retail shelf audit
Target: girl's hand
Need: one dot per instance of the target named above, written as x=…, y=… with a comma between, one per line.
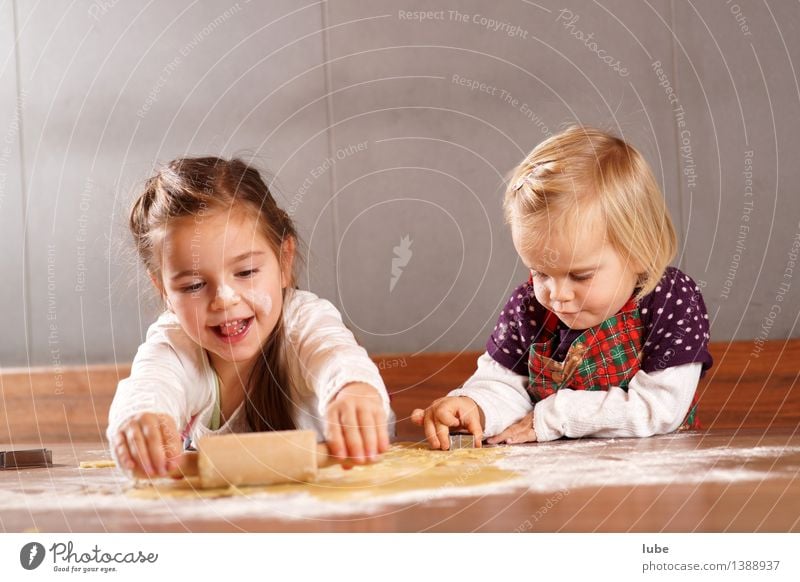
x=445, y=414
x=148, y=445
x=521, y=431
x=357, y=424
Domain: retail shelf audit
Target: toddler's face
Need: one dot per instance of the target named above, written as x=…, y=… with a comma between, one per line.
x=224, y=283
x=581, y=278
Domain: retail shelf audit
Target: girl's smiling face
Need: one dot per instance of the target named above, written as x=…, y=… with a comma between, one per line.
x=580, y=278
x=224, y=282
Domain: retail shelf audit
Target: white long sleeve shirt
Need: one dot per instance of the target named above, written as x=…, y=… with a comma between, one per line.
x=655, y=403
x=171, y=374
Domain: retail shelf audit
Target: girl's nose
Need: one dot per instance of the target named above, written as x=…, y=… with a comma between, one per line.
x=225, y=297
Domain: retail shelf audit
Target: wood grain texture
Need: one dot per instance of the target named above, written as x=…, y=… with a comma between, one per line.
x=54, y=499
x=744, y=389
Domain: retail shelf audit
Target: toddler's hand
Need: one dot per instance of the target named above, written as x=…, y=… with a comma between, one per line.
x=521, y=431
x=357, y=424
x=450, y=412
x=148, y=445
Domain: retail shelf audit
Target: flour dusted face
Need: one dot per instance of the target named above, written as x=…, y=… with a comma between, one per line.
x=224, y=282
x=580, y=277
x=262, y=299
x=225, y=293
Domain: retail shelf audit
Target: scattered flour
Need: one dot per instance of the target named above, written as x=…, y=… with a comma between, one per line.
x=541, y=468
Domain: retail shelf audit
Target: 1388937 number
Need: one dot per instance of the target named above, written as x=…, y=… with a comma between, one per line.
x=757, y=564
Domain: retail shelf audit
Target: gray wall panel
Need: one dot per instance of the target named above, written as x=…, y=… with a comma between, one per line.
x=366, y=114
x=115, y=94
x=741, y=217
x=14, y=345
x=439, y=151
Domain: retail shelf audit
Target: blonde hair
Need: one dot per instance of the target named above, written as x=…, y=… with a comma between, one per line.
x=588, y=168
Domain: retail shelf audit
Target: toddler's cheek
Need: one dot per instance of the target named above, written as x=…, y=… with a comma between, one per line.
x=540, y=294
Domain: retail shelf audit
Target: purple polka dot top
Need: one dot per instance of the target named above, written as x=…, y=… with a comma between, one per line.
x=674, y=317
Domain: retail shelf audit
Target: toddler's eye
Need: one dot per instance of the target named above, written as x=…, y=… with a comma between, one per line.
x=247, y=273
x=538, y=275
x=582, y=277
x=193, y=288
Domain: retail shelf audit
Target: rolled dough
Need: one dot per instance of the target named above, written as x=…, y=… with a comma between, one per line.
x=405, y=467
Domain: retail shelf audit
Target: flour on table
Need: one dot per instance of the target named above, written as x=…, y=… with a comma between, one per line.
x=411, y=474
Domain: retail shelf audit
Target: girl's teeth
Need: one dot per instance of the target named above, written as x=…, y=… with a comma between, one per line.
x=233, y=327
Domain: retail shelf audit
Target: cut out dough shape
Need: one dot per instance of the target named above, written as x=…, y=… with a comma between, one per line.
x=405, y=467
x=99, y=464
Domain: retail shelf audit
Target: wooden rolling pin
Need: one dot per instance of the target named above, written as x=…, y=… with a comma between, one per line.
x=261, y=458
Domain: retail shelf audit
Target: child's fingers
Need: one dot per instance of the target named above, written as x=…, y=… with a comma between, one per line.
x=123, y=454
x=369, y=433
x=335, y=438
x=443, y=434
x=352, y=437
x=155, y=444
x=430, y=429
x=173, y=447
x=448, y=417
x=498, y=438
x=138, y=448
x=383, y=433
x=473, y=424
x=418, y=416
x=509, y=436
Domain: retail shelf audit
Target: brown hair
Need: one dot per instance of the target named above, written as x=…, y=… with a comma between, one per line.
x=190, y=186
x=583, y=164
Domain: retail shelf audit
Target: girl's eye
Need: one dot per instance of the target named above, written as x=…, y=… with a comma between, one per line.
x=582, y=277
x=247, y=273
x=192, y=288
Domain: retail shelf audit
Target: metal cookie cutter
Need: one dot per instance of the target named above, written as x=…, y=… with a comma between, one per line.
x=26, y=458
x=461, y=441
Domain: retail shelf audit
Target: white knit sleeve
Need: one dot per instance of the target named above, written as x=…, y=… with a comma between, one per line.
x=166, y=377
x=655, y=403
x=501, y=394
x=328, y=355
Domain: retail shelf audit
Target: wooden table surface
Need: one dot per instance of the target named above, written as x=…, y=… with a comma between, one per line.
x=751, y=485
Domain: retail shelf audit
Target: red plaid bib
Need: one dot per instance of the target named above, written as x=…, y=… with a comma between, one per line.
x=603, y=356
